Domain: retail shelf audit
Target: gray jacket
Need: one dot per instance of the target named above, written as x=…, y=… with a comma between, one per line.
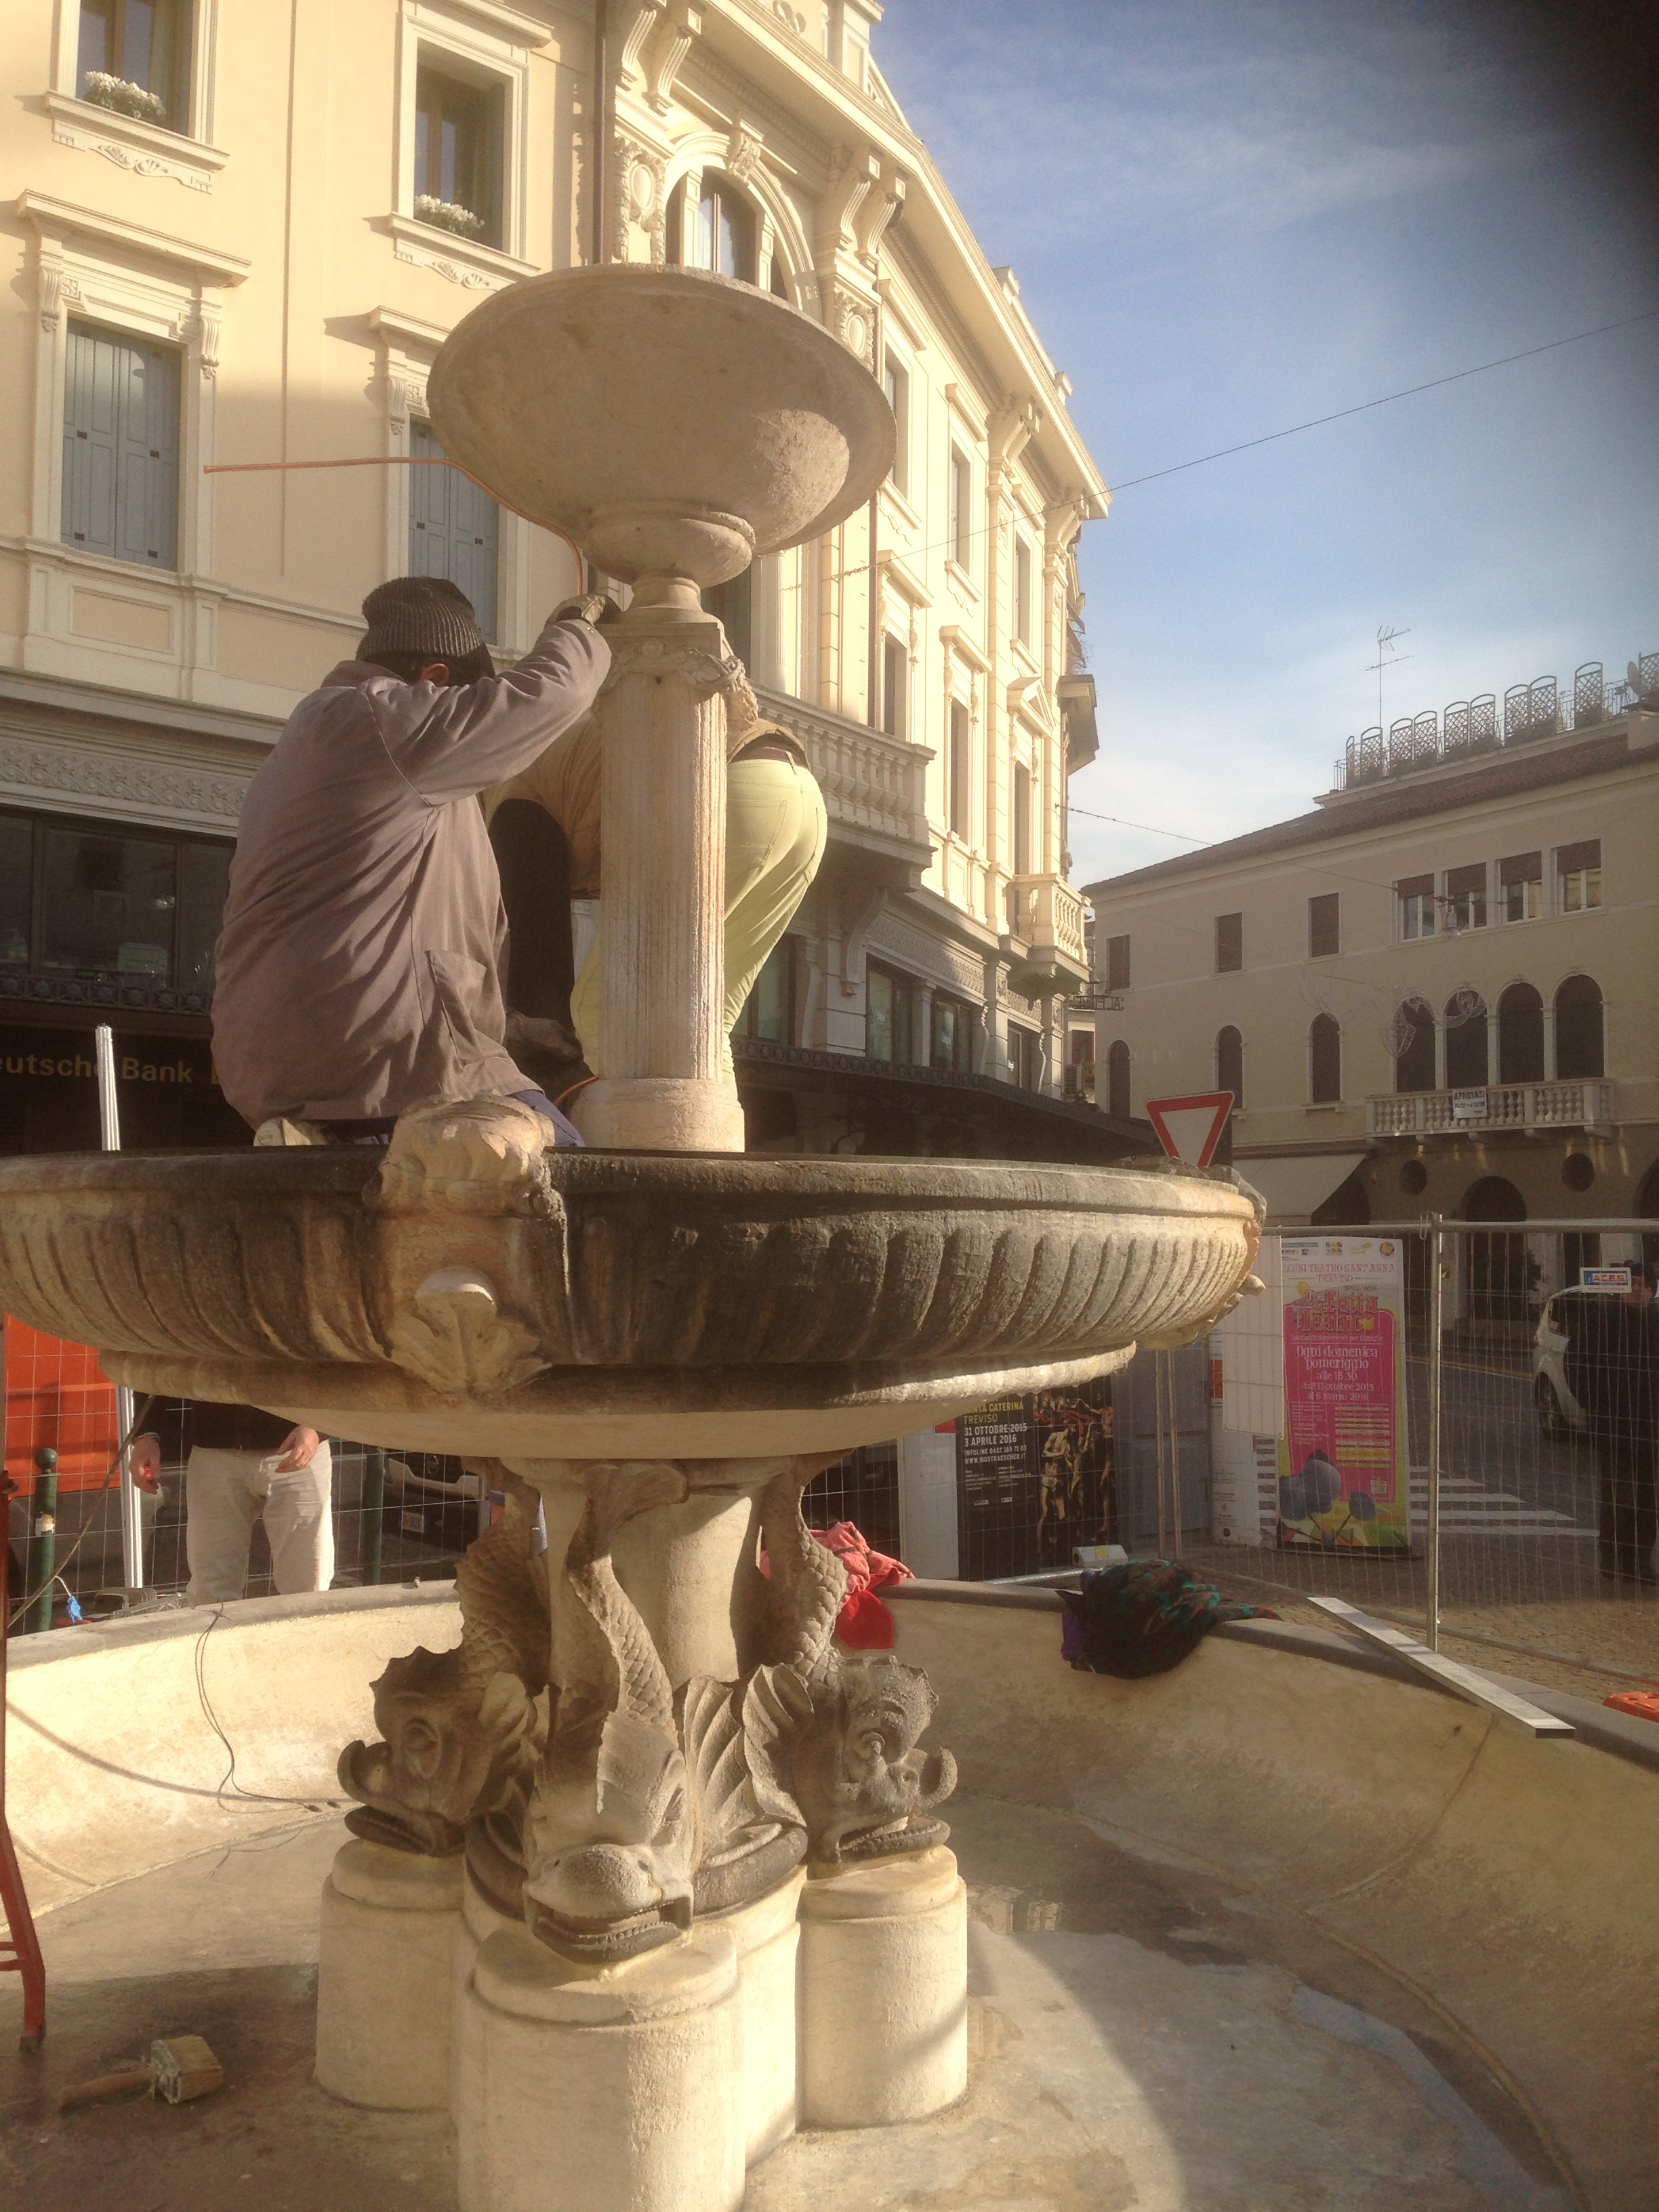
x=357, y=972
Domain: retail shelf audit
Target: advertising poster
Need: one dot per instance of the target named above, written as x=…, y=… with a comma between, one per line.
x=1342, y=1468
x=1034, y=1481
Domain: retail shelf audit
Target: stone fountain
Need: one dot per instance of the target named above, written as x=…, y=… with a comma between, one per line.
x=649, y=1870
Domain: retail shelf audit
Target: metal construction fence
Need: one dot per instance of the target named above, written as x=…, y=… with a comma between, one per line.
x=1450, y=1424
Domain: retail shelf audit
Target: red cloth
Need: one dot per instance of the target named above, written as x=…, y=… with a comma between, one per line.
x=864, y=1623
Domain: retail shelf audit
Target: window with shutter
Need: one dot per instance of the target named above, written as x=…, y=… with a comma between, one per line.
x=1117, y=964
x=452, y=528
x=1578, y=876
x=120, y=448
x=1229, y=943
x=1324, y=924
x=1416, y=897
x=1466, y=896
x=1520, y=877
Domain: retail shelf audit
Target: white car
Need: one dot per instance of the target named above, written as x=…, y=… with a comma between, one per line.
x=1559, y=1414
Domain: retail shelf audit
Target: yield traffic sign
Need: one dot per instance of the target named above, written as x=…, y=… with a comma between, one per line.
x=1190, y=1128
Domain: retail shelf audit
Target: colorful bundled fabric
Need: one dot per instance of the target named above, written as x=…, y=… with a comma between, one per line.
x=864, y=1623
x=1143, y=1618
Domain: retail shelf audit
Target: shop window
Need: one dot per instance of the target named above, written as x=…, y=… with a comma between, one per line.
x=1229, y=943
x=894, y=685
x=110, y=904
x=952, y=1035
x=1118, y=1074
x=1520, y=883
x=458, y=155
x=1024, y=1057
x=1324, y=924
x=453, y=527
x=1117, y=963
x=1466, y=896
x=121, y=447
x=133, y=57
x=1414, y=1061
x=895, y=383
x=958, y=769
x=1521, y=1036
x=1325, y=1060
x=1578, y=877
x=960, y=524
x=17, y=898
x=890, y=1008
x=769, y=1012
x=1415, y=897
x=1580, y=1049
x=99, y=904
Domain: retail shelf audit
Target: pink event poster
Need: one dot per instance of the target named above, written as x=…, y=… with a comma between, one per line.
x=1342, y=1470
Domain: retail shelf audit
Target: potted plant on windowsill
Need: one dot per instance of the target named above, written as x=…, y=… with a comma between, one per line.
x=448, y=215
x=100, y=89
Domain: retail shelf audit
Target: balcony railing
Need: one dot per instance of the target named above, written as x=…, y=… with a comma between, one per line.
x=1471, y=726
x=1569, y=1105
x=872, y=783
x=1045, y=921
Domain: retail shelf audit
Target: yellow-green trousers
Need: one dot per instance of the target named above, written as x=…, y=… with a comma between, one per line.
x=775, y=829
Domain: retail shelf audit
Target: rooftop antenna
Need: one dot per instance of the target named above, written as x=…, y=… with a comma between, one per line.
x=1386, y=658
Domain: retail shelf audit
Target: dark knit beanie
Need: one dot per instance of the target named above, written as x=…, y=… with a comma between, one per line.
x=421, y=614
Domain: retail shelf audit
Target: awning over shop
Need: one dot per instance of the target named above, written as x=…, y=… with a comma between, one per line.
x=1299, y=1182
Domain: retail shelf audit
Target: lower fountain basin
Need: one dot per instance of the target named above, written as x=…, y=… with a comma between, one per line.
x=584, y=1304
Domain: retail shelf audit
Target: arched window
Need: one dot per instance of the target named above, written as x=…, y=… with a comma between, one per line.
x=1229, y=1063
x=723, y=231
x=1117, y=1080
x=1466, y=1042
x=1413, y=1065
x=1325, y=1060
x=1521, y=1036
x=1579, y=1050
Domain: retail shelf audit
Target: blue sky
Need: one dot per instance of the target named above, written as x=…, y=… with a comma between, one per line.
x=1227, y=216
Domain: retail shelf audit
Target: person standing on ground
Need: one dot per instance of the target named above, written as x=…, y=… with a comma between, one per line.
x=358, y=969
x=242, y=1466
x=1611, y=1368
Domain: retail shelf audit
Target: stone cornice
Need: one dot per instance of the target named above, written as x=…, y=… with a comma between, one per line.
x=60, y=219
x=119, y=781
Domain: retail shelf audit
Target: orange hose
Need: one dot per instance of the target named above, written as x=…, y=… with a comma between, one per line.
x=391, y=461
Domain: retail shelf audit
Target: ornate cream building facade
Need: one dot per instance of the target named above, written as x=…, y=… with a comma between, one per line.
x=238, y=238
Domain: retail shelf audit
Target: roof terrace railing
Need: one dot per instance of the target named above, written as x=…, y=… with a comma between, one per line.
x=1471, y=726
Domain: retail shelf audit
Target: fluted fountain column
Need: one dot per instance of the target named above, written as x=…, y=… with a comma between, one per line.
x=662, y=720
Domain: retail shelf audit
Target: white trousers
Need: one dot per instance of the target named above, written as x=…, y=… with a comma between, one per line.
x=226, y=1491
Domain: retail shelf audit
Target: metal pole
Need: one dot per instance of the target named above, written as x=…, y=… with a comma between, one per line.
x=1175, y=1455
x=1436, y=1296
x=109, y=1133
x=373, y=1511
x=1157, y=1399
x=43, y=1537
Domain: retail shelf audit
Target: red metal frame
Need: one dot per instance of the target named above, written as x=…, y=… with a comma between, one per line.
x=21, y=1941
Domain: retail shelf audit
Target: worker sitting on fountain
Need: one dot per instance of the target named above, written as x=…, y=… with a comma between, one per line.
x=358, y=967
x=777, y=826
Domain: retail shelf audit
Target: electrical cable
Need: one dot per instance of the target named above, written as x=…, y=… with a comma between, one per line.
x=1410, y=392
x=229, y=1780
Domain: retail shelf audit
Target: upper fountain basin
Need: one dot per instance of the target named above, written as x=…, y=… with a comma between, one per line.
x=606, y=1301
x=673, y=423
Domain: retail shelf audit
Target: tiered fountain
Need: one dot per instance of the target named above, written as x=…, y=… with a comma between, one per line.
x=649, y=1869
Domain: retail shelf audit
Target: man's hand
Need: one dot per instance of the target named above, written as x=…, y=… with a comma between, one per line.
x=144, y=1461
x=593, y=608
x=542, y=1032
x=298, y=1448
